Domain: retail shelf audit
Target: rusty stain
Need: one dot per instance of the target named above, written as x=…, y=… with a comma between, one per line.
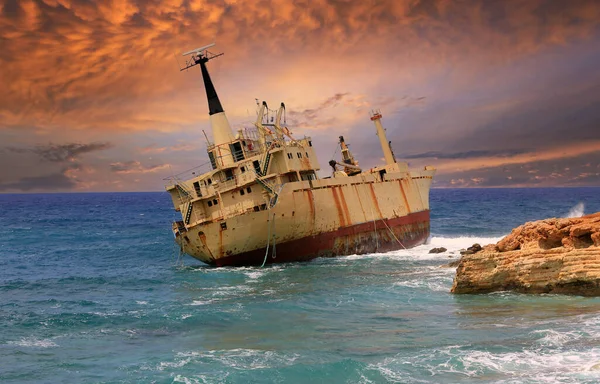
x=344, y=205
x=340, y=211
x=203, y=240
x=404, y=195
x=220, y=242
x=360, y=201
x=311, y=203
x=374, y=198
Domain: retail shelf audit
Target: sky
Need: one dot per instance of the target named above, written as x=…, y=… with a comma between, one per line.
x=492, y=93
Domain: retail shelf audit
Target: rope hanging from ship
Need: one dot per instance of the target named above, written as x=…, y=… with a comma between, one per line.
x=269, y=224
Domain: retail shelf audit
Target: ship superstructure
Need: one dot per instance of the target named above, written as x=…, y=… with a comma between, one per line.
x=263, y=201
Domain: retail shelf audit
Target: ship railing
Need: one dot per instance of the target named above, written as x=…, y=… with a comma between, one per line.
x=189, y=173
x=227, y=184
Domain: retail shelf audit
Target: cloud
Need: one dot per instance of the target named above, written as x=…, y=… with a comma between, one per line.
x=467, y=154
x=60, y=153
x=129, y=167
x=101, y=59
x=65, y=179
x=153, y=149
x=578, y=170
x=488, y=78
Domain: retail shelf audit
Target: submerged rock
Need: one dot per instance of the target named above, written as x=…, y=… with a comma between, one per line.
x=546, y=256
x=438, y=250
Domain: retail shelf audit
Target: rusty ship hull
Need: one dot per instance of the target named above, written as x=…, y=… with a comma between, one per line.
x=263, y=200
x=318, y=218
x=359, y=239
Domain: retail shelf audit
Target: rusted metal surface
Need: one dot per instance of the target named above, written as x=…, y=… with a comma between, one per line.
x=404, y=195
x=338, y=206
x=374, y=198
x=411, y=230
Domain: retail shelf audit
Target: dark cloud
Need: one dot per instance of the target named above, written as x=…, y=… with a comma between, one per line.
x=467, y=154
x=311, y=114
x=59, y=153
x=576, y=171
x=56, y=181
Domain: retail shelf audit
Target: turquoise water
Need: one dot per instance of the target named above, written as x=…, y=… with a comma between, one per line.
x=90, y=292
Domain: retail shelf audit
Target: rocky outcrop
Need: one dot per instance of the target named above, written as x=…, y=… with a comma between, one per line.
x=438, y=250
x=546, y=256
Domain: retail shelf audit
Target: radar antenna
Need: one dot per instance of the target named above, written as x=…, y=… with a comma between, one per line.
x=199, y=55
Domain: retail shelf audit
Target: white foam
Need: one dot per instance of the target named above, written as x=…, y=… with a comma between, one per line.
x=254, y=275
x=141, y=302
x=551, y=337
x=456, y=243
x=202, y=302
x=33, y=342
x=539, y=365
x=421, y=252
x=577, y=210
x=243, y=359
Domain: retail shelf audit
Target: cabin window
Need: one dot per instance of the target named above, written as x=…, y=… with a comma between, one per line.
x=236, y=151
x=263, y=207
x=292, y=177
x=299, y=155
x=306, y=153
x=242, y=192
x=290, y=156
x=197, y=188
x=243, y=169
x=382, y=174
x=223, y=225
x=209, y=181
x=209, y=203
x=249, y=190
x=244, y=143
x=310, y=143
x=228, y=174
x=215, y=202
x=213, y=161
x=256, y=166
x=256, y=208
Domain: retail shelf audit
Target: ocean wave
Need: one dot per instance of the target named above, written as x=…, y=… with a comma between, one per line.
x=551, y=337
x=458, y=242
x=33, y=342
x=239, y=359
x=530, y=365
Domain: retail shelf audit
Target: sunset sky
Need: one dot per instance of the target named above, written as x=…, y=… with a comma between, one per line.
x=490, y=92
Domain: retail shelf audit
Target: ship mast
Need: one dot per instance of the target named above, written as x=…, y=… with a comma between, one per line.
x=222, y=133
x=386, y=146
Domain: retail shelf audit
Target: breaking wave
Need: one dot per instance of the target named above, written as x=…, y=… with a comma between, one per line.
x=576, y=211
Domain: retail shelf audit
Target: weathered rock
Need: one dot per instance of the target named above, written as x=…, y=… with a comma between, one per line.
x=438, y=250
x=546, y=256
x=471, y=250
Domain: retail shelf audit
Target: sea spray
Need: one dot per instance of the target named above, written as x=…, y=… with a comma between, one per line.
x=577, y=210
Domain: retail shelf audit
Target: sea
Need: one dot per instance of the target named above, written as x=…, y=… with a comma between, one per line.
x=92, y=290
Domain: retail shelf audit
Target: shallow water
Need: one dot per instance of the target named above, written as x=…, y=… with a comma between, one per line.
x=90, y=292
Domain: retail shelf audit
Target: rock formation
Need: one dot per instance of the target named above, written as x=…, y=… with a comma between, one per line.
x=546, y=256
x=438, y=250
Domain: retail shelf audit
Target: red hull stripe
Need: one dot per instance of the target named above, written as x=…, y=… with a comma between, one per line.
x=410, y=231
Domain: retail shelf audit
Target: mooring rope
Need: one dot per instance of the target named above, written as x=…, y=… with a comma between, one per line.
x=393, y=234
x=268, y=239
x=274, y=252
